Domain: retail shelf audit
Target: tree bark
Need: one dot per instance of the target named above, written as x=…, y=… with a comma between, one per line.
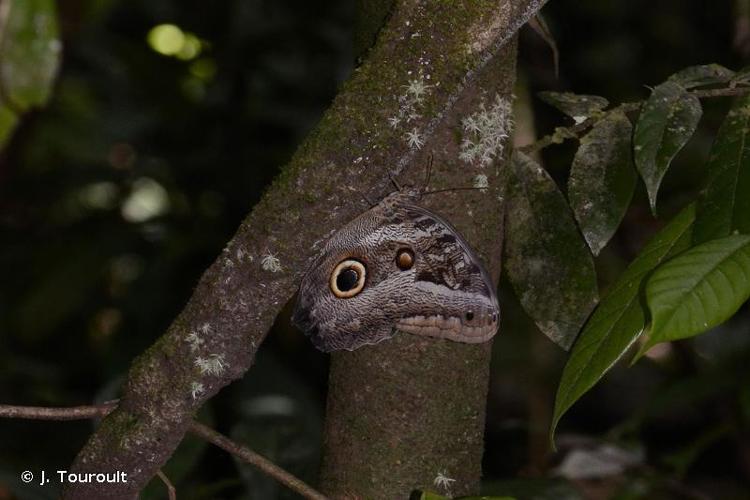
x=402, y=412
x=355, y=148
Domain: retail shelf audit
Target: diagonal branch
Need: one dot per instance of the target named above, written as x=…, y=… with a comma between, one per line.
x=214, y=339
x=200, y=430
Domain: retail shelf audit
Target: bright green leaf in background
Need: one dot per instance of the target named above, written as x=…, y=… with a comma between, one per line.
x=699, y=289
x=602, y=179
x=724, y=205
x=706, y=74
x=667, y=121
x=620, y=318
x=578, y=107
x=30, y=51
x=170, y=40
x=428, y=495
x=548, y=263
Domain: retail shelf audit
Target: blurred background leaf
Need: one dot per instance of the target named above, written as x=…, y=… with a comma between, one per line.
x=30, y=53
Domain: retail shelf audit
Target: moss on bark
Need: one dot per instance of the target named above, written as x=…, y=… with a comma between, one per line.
x=401, y=412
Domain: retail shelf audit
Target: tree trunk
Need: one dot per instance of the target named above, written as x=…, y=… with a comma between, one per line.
x=405, y=411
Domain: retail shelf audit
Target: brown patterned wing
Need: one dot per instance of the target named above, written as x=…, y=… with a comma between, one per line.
x=449, y=273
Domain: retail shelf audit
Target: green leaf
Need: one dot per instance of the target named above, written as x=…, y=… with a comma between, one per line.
x=548, y=262
x=705, y=74
x=485, y=497
x=602, y=179
x=619, y=320
x=699, y=289
x=533, y=488
x=724, y=204
x=667, y=121
x=31, y=51
x=576, y=106
x=429, y=495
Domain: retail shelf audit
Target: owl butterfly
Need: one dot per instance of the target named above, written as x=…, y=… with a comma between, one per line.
x=396, y=266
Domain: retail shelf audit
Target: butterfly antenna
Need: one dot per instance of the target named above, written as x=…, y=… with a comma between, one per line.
x=428, y=173
x=394, y=181
x=467, y=188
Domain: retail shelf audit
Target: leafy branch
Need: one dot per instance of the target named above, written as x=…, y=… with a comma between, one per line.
x=692, y=276
x=561, y=134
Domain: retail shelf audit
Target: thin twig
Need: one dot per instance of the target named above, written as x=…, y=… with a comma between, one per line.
x=171, y=492
x=210, y=435
x=724, y=92
x=539, y=25
x=562, y=133
x=259, y=461
x=52, y=413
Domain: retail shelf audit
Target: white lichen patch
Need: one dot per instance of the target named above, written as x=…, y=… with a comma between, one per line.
x=417, y=89
x=194, y=340
x=196, y=389
x=443, y=481
x=414, y=139
x=214, y=364
x=269, y=262
x=481, y=182
x=485, y=132
x=409, y=104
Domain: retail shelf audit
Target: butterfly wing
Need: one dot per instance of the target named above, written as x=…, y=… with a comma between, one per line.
x=445, y=293
x=449, y=275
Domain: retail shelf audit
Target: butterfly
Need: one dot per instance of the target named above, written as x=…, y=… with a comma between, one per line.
x=397, y=266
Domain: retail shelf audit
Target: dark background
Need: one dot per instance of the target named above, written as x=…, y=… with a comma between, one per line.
x=87, y=281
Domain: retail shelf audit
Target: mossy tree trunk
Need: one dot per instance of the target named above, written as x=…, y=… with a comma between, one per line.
x=405, y=411
x=456, y=57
